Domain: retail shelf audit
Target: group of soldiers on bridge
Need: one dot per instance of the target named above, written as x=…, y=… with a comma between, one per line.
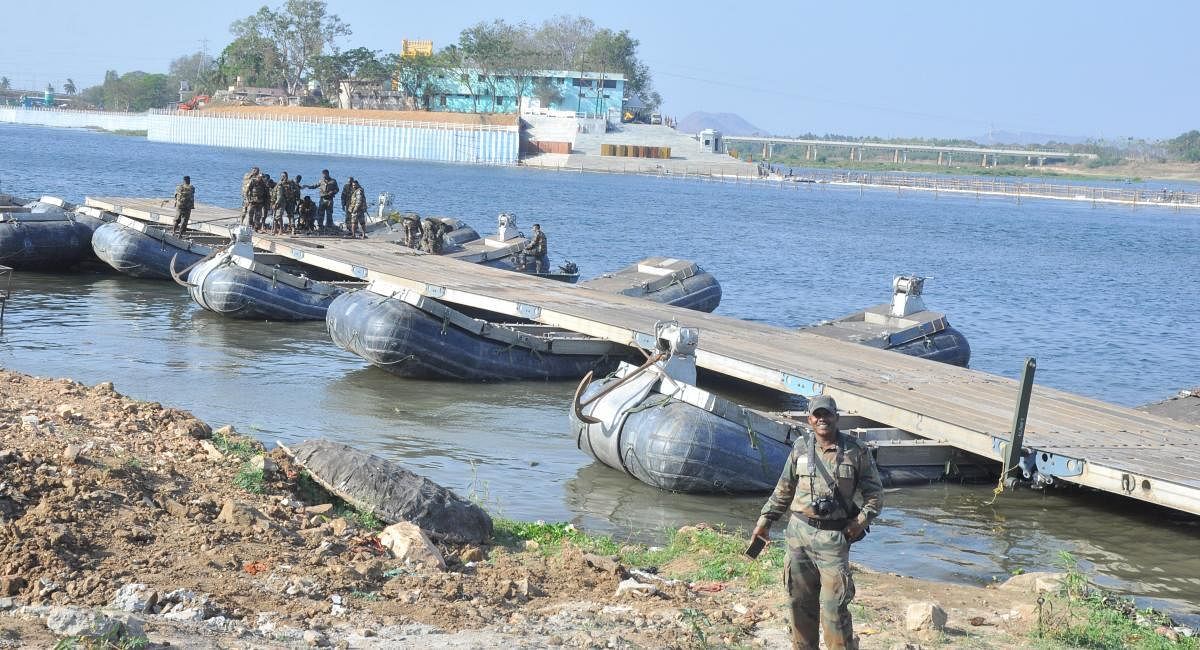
x=281, y=201
x=289, y=211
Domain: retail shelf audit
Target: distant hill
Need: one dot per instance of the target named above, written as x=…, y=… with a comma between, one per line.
x=726, y=123
x=1026, y=138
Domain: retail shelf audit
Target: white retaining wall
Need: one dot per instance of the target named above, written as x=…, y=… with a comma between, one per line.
x=73, y=119
x=452, y=143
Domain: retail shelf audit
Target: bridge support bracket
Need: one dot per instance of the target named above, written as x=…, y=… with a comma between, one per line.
x=1038, y=469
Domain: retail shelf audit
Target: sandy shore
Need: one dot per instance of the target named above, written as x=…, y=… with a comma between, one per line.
x=138, y=518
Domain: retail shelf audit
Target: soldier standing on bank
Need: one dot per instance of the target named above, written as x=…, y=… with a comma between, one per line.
x=820, y=478
x=537, y=248
x=185, y=200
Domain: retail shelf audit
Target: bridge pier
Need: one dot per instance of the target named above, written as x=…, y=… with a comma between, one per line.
x=940, y=158
x=896, y=156
x=983, y=161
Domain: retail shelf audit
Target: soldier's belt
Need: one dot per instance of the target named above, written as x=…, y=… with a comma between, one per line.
x=826, y=524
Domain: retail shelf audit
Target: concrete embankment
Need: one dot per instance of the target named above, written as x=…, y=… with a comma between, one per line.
x=450, y=140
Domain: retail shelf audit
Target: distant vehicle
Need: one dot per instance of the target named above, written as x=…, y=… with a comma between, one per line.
x=194, y=103
x=655, y=118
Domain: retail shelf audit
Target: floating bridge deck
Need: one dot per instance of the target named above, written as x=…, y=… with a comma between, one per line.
x=1075, y=439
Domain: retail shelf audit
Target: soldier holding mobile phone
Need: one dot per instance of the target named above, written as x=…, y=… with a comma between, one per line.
x=822, y=475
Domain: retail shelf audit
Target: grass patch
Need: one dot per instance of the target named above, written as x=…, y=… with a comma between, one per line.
x=1088, y=617
x=240, y=447
x=362, y=519
x=250, y=478
x=710, y=554
x=134, y=132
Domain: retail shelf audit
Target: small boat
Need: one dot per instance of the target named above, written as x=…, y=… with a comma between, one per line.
x=903, y=326
x=666, y=280
x=411, y=335
x=242, y=283
x=653, y=423
x=239, y=283
x=144, y=250
x=40, y=235
x=88, y=216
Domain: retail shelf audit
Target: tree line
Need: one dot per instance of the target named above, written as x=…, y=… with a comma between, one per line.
x=296, y=43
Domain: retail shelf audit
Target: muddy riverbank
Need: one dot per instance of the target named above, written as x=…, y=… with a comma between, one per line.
x=119, y=511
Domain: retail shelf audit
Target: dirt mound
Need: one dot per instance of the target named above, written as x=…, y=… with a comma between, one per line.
x=99, y=492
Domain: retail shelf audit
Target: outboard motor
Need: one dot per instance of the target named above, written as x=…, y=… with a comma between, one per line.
x=678, y=345
x=385, y=200
x=906, y=295
x=506, y=227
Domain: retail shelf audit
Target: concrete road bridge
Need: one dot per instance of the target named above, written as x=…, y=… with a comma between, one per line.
x=900, y=151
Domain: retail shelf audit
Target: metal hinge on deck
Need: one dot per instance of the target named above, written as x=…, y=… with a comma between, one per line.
x=1037, y=468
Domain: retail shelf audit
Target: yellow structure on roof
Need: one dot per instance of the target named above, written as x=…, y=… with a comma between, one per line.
x=416, y=48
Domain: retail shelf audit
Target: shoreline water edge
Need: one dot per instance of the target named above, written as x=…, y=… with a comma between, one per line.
x=132, y=523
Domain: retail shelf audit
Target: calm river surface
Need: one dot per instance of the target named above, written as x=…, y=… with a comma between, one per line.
x=1106, y=298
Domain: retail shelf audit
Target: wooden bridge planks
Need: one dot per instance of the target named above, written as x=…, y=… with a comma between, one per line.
x=969, y=409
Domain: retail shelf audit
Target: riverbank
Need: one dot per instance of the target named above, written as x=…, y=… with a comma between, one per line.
x=140, y=519
x=1121, y=173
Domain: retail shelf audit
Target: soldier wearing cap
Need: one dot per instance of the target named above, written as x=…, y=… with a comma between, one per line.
x=821, y=477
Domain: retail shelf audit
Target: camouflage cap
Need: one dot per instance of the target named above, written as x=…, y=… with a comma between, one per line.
x=822, y=402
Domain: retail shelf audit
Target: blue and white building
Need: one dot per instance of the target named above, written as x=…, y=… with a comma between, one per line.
x=588, y=94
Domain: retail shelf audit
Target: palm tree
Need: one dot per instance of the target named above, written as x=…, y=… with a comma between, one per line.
x=69, y=87
x=5, y=84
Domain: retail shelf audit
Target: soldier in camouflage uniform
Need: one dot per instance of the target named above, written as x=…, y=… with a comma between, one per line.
x=347, y=190
x=537, y=249
x=356, y=210
x=257, y=195
x=327, y=189
x=432, y=232
x=250, y=176
x=306, y=214
x=279, y=203
x=820, y=529
x=185, y=200
x=412, y=230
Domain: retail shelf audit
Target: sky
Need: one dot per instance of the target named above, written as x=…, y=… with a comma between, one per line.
x=1099, y=69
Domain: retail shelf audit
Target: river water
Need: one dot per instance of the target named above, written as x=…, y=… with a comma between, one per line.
x=1104, y=297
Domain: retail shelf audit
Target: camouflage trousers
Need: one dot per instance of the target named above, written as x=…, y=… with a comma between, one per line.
x=181, y=219
x=819, y=586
